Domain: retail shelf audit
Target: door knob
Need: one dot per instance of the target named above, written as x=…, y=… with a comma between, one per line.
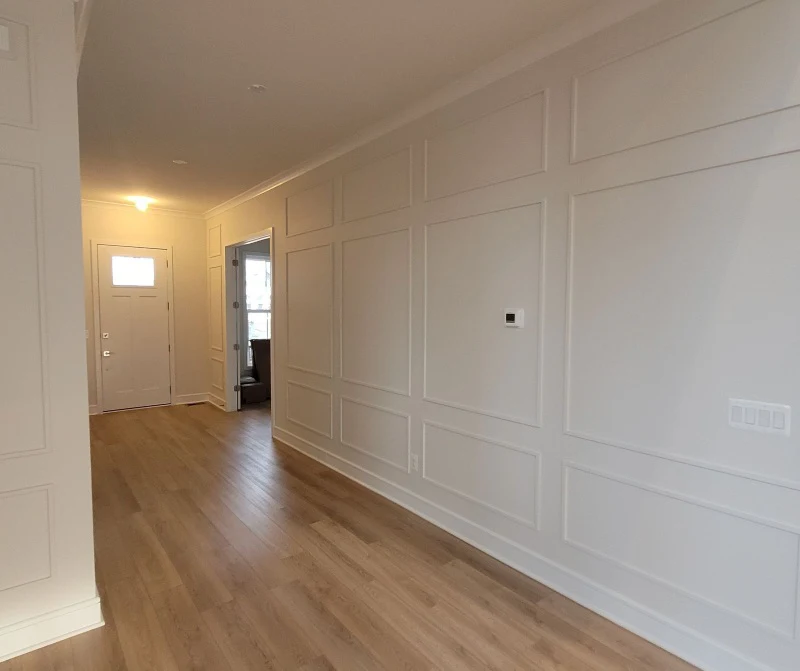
x=106, y=353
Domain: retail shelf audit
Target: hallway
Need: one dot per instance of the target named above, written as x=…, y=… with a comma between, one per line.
x=217, y=549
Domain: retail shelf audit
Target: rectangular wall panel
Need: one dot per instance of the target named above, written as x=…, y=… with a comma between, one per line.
x=309, y=300
x=378, y=432
x=214, y=241
x=310, y=408
x=475, y=269
x=21, y=358
x=215, y=307
x=25, y=526
x=685, y=84
x=505, y=144
x=381, y=186
x=500, y=477
x=16, y=76
x=672, y=281
x=733, y=563
x=376, y=317
x=310, y=210
x=218, y=374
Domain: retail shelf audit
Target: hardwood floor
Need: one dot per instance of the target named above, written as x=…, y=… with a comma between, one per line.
x=219, y=550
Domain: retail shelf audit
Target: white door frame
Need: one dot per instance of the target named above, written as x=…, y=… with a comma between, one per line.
x=97, y=341
x=229, y=314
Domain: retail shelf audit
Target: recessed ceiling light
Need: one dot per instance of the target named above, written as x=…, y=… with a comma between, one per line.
x=141, y=202
x=257, y=88
x=180, y=161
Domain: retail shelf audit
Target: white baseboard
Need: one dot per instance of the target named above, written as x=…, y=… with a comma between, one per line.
x=28, y=635
x=672, y=636
x=94, y=410
x=185, y=399
x=217, y=401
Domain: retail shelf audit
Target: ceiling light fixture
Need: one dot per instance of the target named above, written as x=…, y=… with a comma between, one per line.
x=180, y=161
x=141, y=202
x=257, y=88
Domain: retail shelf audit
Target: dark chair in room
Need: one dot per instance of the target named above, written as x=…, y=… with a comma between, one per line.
x=255, y=388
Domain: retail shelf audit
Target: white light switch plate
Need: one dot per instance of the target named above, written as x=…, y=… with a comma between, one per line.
x=758, y=416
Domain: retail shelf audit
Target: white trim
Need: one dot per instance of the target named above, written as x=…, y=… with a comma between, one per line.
x=94, y=409
x=216, y=401
x=186, y=399
x=37, y=632
x=585, y=24
x=150, y=210
x=98, y=345
x=667, y=634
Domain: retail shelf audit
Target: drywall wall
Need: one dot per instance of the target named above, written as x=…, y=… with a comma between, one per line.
x=47, y=586
x=633, y=194
x=186, y=236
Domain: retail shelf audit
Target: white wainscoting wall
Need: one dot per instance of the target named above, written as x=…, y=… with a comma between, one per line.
x=47, y=585
x=636, y=195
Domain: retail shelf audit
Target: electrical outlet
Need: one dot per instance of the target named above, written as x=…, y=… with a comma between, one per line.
x=414, y=462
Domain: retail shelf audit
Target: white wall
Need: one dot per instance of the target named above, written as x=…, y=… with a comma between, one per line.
x=636, y=195
x=186, y=235
x=47, y=588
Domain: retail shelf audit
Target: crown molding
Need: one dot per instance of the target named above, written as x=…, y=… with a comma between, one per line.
x=150, y=210
x=584, y=25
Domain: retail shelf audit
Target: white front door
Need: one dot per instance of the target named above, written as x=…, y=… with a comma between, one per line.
x=134, y=326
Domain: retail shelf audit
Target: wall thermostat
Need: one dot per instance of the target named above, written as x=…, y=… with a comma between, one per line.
x=514, y=319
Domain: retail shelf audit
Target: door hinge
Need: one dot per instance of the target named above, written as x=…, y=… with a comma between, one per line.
x=236, y=347
x=236, y=304
x=169, y=348
x=167, y=305
x=237, y=387
x=235, y=263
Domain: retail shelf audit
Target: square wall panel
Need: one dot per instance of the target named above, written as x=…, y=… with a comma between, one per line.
x=376, y=311
x=476, y=269
x=683, y=293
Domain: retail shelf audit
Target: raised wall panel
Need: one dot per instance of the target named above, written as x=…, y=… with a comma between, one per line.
x=376, y=311
x=505, y=144
x=684, y=84
x=310, y=408
x=672, y=281
x=214, y=241
x=215, y=307
x=381, y=433
x=310, y=210
x=381, y=186
x=16, y=77
x=21, y=353
x=25, y=524
x=218, y=374
x=309, y=296
x=712, y=555
x=500, y=477
x=475, y=269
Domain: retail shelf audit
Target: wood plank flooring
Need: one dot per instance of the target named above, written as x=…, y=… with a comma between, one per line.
x=219, y=550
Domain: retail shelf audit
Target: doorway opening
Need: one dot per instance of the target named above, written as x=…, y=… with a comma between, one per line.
x=249, y=323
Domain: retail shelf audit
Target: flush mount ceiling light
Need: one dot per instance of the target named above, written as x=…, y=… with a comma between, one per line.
x=141, y=202
x=180, y=161
x=257, y=88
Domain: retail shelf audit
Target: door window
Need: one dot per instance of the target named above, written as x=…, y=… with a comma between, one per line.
x=133, y=271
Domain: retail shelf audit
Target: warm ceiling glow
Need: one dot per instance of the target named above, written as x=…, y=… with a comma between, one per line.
x=141, y=202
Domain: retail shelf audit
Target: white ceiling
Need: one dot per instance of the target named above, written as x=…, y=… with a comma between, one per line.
x=168, y=79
